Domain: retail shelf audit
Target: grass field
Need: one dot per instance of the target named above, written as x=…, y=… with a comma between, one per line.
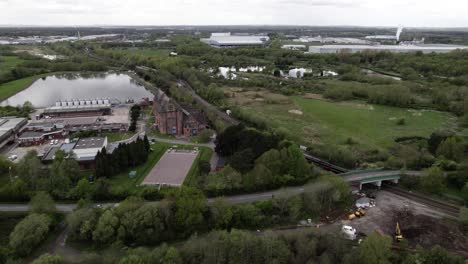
x=7, y=63
x=146, y=52
x=324, y=122
x=113, y=137
x=191, y=179
x=11, y=88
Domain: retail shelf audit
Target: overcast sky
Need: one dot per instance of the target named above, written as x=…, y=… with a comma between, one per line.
x=427, y=13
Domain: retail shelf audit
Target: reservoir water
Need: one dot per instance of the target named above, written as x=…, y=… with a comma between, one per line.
x=46, y=91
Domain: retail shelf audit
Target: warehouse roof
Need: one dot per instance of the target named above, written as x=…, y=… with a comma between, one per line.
x=92, y=142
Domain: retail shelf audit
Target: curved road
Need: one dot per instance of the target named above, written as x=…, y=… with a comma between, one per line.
x=234, y=199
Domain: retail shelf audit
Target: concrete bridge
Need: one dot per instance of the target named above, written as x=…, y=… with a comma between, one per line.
x=375, y=176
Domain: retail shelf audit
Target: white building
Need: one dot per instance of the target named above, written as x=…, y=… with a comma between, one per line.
x=294, y=47
x=225, y=40
x=86, y=149
x=390, y=48
x=298, y=72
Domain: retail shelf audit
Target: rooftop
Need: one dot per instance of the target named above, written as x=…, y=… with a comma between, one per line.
x=92, y=142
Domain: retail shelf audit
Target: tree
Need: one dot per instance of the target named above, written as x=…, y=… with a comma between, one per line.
x=221, y=213
x=190, y=204
x=375, y=250
x=204, y=167
x=48, y=259
x=83, y=189
x=451, y=149
x=433, y=180
x=42, y=203
x=29, y=168
x=242, y=160
x=29, y=233
x=205, y=135
x=106, y=229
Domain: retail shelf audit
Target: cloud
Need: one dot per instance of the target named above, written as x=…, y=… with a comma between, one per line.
x=225, y=12
x=321, y=3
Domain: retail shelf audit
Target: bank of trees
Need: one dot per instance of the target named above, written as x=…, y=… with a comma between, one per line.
x=258, y=160
x=237, y=246
x=125, y=156
x=30, y=232
x=185, y=212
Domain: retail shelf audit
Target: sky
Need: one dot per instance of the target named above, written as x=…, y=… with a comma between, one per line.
x=410, y=13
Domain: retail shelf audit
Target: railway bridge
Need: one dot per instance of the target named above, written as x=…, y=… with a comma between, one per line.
x=375, y=176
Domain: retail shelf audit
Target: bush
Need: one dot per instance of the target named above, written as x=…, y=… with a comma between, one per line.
x=29, y=233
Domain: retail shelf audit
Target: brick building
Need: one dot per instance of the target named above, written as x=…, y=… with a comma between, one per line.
x=174, y=119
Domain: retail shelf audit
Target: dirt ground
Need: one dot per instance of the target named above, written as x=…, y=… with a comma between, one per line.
x=172, y=168
x=420, y=225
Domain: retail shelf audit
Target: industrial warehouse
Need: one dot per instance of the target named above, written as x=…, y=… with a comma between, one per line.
x=226, y=40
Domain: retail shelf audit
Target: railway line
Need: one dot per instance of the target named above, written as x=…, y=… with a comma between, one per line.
x=324, y=165
x=449, y=209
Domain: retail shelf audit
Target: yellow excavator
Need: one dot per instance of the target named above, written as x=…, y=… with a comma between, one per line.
x=398, y=235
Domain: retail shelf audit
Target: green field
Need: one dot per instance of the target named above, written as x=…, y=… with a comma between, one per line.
x=325, y=122
x=146, y=52
x=205, y=154
x=7, y=63
x=11, y=88
x=113, y=137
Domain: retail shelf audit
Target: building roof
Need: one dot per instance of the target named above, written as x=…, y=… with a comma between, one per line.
x=75, y=108
x=8, y=126
x=50, y=154
x=397, y=48
x=226, y=39
x=92, y=142
x=31, y=134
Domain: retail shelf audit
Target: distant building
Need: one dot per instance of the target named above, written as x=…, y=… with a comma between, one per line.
x=294, y=47
x=226, y=40
x=298, y=72
x=173, y=119
x=427, y=48
x=79, y=108
x=9, y=127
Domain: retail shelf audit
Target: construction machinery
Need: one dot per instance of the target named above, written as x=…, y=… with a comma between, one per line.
x=359, y=213
x=398, y=235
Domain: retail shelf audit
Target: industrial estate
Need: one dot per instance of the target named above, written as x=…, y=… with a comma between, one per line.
x=233, y=145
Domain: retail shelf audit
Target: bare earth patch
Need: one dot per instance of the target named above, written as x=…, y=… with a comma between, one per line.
x=172, y=168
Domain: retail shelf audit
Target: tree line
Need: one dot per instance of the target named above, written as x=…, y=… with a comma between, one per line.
x=126, y=155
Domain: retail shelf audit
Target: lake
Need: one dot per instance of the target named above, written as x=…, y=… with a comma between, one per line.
x=45, y=92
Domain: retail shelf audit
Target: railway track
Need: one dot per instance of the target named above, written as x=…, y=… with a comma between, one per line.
x=449, y=209
x=324, y=165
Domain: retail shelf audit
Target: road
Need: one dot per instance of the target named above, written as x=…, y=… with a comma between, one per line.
x=235, y=199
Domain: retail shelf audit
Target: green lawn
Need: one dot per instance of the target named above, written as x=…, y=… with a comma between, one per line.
x=373, y=126
x=122, y=183
x=7, y=63
x=205, y=154
x=113, y=137
x=10, y=88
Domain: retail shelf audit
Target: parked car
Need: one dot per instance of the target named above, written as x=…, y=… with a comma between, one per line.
x=13, y=157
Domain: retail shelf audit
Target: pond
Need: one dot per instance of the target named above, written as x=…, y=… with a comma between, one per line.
x=46, y=91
